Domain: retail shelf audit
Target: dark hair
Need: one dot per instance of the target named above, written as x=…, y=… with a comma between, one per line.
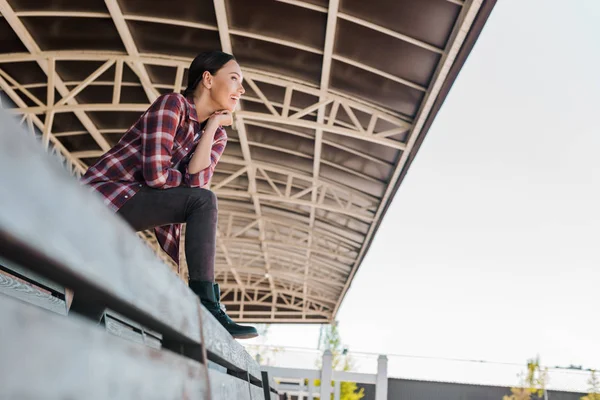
x=210, y=61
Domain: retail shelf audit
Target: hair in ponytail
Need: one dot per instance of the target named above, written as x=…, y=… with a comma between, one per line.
x=210, y=61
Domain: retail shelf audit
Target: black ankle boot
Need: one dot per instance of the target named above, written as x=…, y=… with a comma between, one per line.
x=210, y=295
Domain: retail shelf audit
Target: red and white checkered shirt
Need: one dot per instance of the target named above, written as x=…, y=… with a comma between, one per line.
x=155, y=152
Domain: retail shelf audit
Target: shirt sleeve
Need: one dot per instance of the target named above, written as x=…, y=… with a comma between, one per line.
x=158, y=128
x=201, y=179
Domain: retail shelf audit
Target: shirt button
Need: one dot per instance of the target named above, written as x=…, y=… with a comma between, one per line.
x=126, y=197
x=141, y=185
x=186, y=149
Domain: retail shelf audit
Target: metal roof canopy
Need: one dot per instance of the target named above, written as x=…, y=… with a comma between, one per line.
x=339, y=96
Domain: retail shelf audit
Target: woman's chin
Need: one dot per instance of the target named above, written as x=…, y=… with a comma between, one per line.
x=232, y=105
x=228, y=107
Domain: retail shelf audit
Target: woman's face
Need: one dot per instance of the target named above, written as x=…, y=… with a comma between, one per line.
x=226, y=88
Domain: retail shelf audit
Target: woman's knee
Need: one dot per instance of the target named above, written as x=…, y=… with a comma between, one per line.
x=204, y=198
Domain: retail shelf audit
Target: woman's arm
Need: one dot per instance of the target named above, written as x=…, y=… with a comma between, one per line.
x=208, y=151
x=158, y=127
x=201, y=158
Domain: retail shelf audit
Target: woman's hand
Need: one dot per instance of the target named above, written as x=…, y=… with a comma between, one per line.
x=221, y=118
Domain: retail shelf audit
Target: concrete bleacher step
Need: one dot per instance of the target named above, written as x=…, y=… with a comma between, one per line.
x=27, y=286
x=22, y=284
x=68, y=238
x=73, y=359
x=121, y=326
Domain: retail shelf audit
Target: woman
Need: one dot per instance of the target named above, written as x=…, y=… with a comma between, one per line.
x=154, y=176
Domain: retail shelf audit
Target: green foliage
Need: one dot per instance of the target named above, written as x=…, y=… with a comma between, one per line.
x=533, y=383
x=348, y=390
x=341, y=361
x=331, y=340
x=594, y=390
x=519, y=393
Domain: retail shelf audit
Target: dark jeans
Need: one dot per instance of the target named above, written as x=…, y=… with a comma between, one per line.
x=196, y=207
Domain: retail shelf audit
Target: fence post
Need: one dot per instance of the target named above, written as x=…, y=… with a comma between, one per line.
x=302, y=388
x=381, y=388
x=326, y=375
x=337, y=391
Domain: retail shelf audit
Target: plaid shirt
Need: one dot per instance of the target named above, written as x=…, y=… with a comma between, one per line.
x=155, y=152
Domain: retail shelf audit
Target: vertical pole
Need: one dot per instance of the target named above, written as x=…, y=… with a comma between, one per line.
x=338, y=390
x=301, y=390
x=381, y=387
x=310, y=390
x=266, y=384
x=326, y=375
x=49, y=103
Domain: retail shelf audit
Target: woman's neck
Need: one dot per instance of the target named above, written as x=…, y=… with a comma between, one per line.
x=204, y=106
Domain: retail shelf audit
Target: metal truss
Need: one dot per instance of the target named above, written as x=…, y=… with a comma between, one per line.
x=224, y=33
x=289, y=240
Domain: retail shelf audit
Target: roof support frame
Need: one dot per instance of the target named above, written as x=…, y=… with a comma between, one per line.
x=330, y=30
x=224, y=35
x=256, y=75
x=75, y=164
x=26, y=38
x=138, y=68
x=120, y=23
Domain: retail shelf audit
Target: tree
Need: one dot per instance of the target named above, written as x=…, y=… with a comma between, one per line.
x=594, y=391
x=533, y=383
x=341, y=361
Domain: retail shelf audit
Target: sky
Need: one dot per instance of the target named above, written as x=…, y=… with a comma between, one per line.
x=490, y=249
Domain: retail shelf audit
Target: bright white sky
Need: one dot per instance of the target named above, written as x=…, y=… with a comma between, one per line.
x=490, y=249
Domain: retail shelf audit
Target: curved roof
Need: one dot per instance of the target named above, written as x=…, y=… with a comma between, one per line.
x=339, y=95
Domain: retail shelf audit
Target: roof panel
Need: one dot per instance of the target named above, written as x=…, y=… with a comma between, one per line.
x=79, y=143
x=9, y=41
x=273, y=92
x=428, y=20
x=40, y=93
x=278, y=158
x=67, y=122
x=335, y=156
x=94, y=94
x=25, y=72
x=62, y=5
x=277, y=59
x=265, y=17
x=254, y=106
x=114, y=119
x=162, y=75
x=175, y=40
x=190, y=11
x=133, y=94
x=284, y=142
x=390, y=55
x=66, y=33
x=375, y=88
x=366, y=149
x=77, y=71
